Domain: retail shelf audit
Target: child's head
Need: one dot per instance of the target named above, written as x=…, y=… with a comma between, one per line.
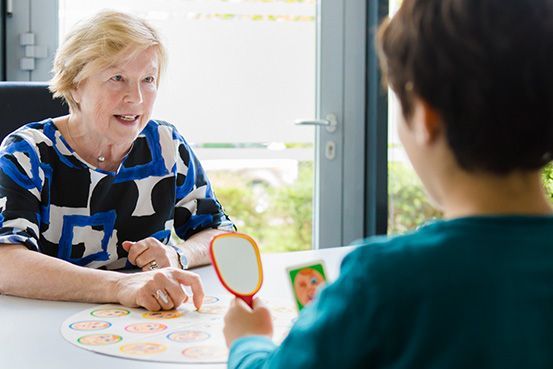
x=485, y=68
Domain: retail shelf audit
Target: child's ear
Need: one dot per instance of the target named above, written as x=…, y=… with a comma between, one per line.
x=428, y=125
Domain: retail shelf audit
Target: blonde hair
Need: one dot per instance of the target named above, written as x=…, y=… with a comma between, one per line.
x=98, y=43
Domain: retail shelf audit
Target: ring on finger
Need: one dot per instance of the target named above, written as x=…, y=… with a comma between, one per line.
x=153, y=266
x=162, y=296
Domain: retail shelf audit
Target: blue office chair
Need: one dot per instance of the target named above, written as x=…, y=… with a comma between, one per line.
x=25, y=102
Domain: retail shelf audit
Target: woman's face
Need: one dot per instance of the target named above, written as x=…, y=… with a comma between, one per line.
x=116, y=103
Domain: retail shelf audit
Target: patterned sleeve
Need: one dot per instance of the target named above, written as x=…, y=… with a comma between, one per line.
x=196, y=208
x=21, y=183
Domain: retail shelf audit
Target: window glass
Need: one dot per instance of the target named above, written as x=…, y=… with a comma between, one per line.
x=240, y=73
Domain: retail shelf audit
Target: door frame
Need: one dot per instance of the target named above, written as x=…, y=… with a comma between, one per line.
x=340, y=195
x=3, y=15
x=376, y=154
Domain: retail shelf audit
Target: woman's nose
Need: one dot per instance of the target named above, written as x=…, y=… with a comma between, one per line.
x=134, y=94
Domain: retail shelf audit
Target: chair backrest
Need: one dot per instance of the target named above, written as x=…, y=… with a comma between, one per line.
x=25, y=102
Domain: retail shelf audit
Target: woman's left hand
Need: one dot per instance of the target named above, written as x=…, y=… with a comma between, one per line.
x=241, y=320
x=149, y=254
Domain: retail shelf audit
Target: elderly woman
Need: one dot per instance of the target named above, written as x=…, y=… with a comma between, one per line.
x=102, y=187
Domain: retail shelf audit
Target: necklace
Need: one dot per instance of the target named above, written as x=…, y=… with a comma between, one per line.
x=100, y=158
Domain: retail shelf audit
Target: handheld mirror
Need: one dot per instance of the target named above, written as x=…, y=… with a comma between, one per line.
x=236, y=259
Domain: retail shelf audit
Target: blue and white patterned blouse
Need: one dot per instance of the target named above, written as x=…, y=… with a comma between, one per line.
x=53, y=202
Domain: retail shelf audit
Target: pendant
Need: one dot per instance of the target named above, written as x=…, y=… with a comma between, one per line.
x=101, y=159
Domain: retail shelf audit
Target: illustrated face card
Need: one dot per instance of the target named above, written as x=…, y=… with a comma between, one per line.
x=306, y=279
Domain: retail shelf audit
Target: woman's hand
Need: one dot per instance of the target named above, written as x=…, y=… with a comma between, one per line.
x=159, y=290
x=241, y=320
x=149, y=254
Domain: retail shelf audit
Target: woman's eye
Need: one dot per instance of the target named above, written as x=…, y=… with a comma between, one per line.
x=149, y=79
x=117, y=78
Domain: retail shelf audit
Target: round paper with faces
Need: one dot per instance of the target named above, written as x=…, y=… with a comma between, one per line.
x=184, y=335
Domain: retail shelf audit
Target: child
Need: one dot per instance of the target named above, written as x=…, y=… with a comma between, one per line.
x=475, y=83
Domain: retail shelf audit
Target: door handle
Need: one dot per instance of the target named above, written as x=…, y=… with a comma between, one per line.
x=330, y=123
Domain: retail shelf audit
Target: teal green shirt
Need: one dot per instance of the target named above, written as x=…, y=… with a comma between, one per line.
x=466, y=293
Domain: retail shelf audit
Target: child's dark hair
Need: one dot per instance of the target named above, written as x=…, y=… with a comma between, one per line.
x=486, y=66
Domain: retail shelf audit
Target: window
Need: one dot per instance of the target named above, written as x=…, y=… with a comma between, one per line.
x=241, y=72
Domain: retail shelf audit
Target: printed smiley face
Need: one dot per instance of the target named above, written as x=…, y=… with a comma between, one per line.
x=143, y=348
x=306, y=284
x=188, y=336
x=90, y=325
x=200, y=353
x=210, y=300
x=170, y=314
x=99, y=339
x=110, y=313
x=149, y=327
x=213, y=310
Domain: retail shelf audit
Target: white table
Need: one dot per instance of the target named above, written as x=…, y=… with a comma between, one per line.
x=30, y=329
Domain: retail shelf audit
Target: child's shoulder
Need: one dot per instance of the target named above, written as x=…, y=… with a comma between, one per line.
x=446, y=248
x=424, y=251
x=394, y=247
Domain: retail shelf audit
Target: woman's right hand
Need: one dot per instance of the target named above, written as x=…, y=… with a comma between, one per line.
x=159, y=289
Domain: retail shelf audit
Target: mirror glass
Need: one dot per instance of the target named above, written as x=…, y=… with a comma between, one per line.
x=237, y=260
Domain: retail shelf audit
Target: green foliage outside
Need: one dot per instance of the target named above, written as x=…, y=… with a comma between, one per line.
x=548, y=180
x=279, y=218
x=408, y=205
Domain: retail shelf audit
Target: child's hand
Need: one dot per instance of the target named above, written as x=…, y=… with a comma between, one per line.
x=242, y=321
